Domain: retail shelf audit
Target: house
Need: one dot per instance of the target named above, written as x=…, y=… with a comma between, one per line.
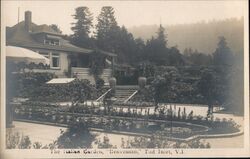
x=66, y=60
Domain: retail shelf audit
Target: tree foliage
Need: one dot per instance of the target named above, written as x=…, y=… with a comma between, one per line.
x=207, y=87
x=76, y=92
x=163, y=87
x=125, y=46
x=106, y=29
x=161, y=36
x=157, y=52
x=97, y=64
x=14, y=140
x=222, y=54
x=196, y=58
x=82, y=27
x=76, y=136
x=200, y=35
x=56, y=28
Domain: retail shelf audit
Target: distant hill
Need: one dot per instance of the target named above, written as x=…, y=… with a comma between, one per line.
x=202, y=36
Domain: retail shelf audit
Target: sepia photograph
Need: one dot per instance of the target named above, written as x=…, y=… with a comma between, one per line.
x=115, y=79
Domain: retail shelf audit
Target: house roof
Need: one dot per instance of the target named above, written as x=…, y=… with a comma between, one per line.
x=19, y=36
x=44, y=29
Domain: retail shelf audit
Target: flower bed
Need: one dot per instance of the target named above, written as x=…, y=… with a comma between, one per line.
x=114, y=119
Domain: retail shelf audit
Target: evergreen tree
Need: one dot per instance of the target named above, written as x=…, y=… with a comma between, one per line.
x=82, y=27
x=223, y=54
x=125, y=46
x=174, y=57
x=156, y=50
x=208, y=87
x=139, y=49
x=196, y=58
x=106, y=29
x=224, y=60
x=161, y=36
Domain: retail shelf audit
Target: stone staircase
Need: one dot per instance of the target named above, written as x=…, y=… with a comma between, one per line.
x=83, y=73
x=123, y=93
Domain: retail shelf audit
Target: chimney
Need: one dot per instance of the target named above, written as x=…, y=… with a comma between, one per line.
x=28, y=21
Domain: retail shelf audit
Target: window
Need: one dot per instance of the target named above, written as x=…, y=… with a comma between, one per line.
x=55, y=60
x=51, y=42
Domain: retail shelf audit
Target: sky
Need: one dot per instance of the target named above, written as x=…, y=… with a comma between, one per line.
x=127, y=13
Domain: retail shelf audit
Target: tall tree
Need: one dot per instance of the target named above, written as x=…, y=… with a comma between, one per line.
x=223, y=54
x=223, y=59
x=162, y=36
x=139, y=49
x=125, y=46
x=106, y=29
x=156, y=50
x=207, y=86
x=82, y=27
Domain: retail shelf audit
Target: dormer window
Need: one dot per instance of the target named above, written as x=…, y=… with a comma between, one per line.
x=52, y=40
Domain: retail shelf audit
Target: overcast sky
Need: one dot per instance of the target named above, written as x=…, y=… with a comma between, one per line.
x=128, y=13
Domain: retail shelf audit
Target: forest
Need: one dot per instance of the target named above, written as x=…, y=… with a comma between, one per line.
x=199, y=36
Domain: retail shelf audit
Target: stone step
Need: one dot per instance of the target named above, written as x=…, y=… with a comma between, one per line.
x=127, y=87
x=122, y=96
x=124, y=92
x=131, y=90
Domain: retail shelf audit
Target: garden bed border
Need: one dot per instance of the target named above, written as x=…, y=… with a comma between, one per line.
x=141, y=134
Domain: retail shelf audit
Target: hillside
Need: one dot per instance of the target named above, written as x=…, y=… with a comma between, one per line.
x=202, y=36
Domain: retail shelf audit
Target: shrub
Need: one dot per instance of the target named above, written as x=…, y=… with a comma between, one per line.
x=23, y=84
x=76, y=91
x=99, y=83
x=15, y=140
x=76, y=136
x=104, y=144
